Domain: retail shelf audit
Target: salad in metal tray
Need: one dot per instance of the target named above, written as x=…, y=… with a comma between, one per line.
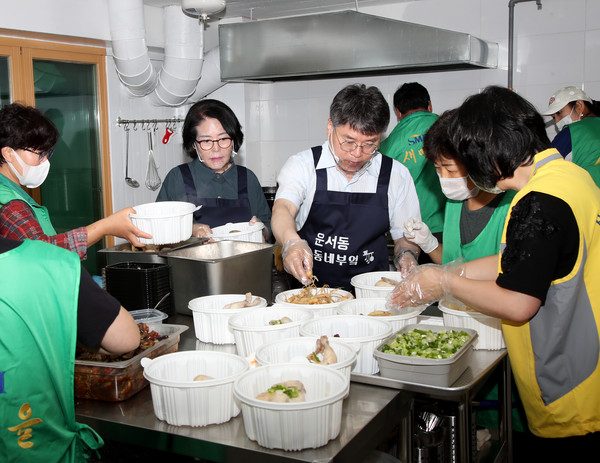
x=427, y=343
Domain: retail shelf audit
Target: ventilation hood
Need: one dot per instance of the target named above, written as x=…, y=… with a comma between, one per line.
x=344, y=43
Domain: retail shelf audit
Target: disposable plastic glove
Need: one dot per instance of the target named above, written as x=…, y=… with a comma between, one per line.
x=418, y=232
x=405, y=261
x=297, y=260
x=265, y=230
x=425, y=284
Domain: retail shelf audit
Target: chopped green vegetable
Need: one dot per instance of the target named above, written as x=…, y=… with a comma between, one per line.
x=428, y=344
x=291, y=392
x=275, y=322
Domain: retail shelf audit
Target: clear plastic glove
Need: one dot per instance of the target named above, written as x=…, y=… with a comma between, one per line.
x=405, y=261
x=418, y=232
x=426, y=284
x=298, y=260
x=202, y=230
x=265, y=230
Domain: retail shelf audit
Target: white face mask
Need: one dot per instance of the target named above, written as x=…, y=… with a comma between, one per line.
x=496, y=190
x=457, y=189
x=566, y=120
x=33, y=176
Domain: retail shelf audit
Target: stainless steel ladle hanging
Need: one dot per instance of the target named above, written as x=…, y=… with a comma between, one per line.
x=131, y=182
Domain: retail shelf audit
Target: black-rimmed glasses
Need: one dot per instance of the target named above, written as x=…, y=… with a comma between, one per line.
x=41, y=154
x=207, y=145
x=349, y=146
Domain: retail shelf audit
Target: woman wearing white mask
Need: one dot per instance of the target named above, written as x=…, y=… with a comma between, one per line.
x=27, y=138
x=474, y=218
x=576, y=117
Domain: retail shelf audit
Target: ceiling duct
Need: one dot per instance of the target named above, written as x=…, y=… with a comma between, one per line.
x=344, y=43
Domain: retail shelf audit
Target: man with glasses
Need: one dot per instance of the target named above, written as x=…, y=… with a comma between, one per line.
x=336, y=202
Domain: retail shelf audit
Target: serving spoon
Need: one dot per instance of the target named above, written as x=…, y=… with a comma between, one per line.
x=156, y=306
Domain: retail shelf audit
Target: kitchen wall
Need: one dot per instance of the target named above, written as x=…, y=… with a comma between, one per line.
x=556, y=46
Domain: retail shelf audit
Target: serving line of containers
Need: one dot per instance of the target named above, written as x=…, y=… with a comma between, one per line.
x=269, y=352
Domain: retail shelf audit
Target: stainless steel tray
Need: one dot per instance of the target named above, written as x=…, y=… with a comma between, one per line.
x=124, y=253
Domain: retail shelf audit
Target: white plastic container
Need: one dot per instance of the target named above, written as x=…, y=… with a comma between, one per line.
x=366, y=305
x=211, y=319
x=320, y=310
x=240, y=231
x=489, y=328
x=295, y=350
x=295, y=425
x=252, y=328
x=150, y=317
x=366, y=333
x=181, y=401
x=167, y=221
x=364, y=284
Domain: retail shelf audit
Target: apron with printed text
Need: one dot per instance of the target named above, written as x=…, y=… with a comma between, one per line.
x=346, y=231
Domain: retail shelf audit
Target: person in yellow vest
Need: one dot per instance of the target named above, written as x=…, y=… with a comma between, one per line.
x=48, y=303
x=545, y=283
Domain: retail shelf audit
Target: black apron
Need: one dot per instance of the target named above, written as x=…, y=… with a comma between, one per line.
x=346, y=231
x=219, y=211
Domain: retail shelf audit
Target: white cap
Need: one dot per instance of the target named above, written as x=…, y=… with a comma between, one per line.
x=563, y=96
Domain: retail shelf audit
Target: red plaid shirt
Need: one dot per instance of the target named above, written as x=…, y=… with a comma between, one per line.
x=18, y=222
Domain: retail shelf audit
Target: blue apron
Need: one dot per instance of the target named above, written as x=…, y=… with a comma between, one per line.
x=219, y=211
x=346, y=231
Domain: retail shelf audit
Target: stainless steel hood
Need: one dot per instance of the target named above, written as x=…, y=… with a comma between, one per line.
x=344, y=43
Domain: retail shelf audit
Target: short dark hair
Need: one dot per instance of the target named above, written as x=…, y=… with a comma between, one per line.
x=436, y=142
x=495, y=132
x=363, y=108
x=25, y=127
x=411, y=96
x=217, y=110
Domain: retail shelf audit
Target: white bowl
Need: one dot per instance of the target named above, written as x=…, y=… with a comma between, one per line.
x=239, y=231
x=181, y=401
x=364, y=332
x=364, y=284
x=295, y=425
x=366, y=305
x=295, y=350
x=211, y=319
x=251, y=328
x=320, y=310
x=167, y=221
x=488, y=328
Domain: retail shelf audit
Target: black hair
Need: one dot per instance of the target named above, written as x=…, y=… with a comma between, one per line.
x=593, y=107
x=217, y=110
x=25, y=127
x=363, y=108
x=436, y=141
x=411, y=96
x=495, y=132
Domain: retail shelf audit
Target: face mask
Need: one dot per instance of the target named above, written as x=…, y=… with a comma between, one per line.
x=33, y=176
x=337, y=160
x=457, y=189
x=567, y=120
x=495, y=190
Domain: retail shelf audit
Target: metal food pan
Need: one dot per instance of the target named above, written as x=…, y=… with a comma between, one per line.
x=224, y=267
x=124, y=253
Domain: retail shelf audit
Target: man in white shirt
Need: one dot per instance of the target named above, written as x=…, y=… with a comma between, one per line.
x=336, y=202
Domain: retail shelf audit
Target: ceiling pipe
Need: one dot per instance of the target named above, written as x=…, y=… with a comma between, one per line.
x=511, y=32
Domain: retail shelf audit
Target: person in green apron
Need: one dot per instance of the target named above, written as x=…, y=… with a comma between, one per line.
x=27, y=138
x=37, y=346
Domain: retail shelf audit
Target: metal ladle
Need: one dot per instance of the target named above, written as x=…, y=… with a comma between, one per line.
x=131, y=182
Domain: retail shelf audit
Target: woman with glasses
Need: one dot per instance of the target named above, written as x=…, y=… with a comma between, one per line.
x=227, y=192
x=27, y=138
x=336, y=202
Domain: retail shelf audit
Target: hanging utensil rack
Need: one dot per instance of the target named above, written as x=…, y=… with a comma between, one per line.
x=148, y=124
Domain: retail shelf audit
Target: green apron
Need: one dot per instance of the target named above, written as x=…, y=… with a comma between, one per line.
x=38, y=315
x=585, y=140
x=10, y=191
x=487, y=242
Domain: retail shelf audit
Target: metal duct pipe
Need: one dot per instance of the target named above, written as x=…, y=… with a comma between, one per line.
x=211, y=75
x=511, y=32
x=130, y=52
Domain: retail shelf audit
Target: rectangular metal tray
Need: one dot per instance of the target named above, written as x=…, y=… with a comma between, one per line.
x=123, y=253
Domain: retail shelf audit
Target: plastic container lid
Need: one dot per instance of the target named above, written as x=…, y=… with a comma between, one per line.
x=148, y=316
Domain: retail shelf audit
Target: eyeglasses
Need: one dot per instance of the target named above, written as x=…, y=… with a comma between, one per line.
x=42, y=154
x=349, y=146
x=207, y=145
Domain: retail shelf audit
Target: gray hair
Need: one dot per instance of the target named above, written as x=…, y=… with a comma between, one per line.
x=363, y=108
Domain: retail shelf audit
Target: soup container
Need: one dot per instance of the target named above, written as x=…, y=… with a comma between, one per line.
x=292, y=425
x=320, y=310
x=366, y=333
x=366, y=305
x=211, y=319
x=167, y=221
x=240, y=231
x=364, y=284
x=253, y=328
x=181, y=401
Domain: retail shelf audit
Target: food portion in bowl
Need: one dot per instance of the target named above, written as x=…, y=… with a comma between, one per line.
x=248, y=301
x=441, y=344
x=323, y=353
x=380, y=313
x=280, y=321
x=311, y=295
x=203, y=378
x=286, y=391
x=384, y=281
